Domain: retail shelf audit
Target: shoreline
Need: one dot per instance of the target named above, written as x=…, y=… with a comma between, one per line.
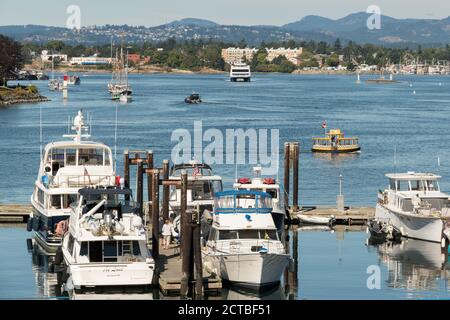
x=217, y=72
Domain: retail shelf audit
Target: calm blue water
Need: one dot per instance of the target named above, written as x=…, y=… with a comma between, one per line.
x=382, y=116
x=331, y=265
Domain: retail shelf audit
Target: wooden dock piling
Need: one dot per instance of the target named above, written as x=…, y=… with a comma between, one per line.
x=166, y=190
x=186, y=238
x=296, y=154
x=126, y=171
x=287, y=166
x=155, y=212
x=150, y=166
x=140, y=185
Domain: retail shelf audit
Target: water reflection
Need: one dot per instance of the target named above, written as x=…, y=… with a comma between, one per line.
x=48, y=282
x=336, y=158
x=414, y=265
x=234, y=293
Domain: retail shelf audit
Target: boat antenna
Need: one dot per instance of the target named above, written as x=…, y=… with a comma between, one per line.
x=236, y=173
x=40, y=130
x=395, y=159
x=115, y=141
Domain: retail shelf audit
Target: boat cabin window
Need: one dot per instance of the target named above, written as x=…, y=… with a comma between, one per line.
x=225, y=202
x=246, y=234
x=70, y=244
x=264, y=202
x=69, y=199
x=228, y=234
x=201, y=190
x=416, y=185
x=71, y=157
x=57, y=160
x=432, y=185
x=55, y=201
x=92, y=157
x=402, y=185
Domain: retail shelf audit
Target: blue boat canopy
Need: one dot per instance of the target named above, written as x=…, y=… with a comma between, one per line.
x=242, y=201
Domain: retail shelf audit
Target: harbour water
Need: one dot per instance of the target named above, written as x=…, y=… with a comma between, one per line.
x=331, y=265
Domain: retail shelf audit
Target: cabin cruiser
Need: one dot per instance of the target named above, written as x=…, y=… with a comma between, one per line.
x=240, y=72
x=270, y=186
x=335, y=142
x=414, y=205
x=106, y=242
x=193, y=99
x=66, y=166
x=202, y=185
x=243, y=245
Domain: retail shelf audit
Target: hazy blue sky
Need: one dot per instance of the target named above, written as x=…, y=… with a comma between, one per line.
x=244, y=12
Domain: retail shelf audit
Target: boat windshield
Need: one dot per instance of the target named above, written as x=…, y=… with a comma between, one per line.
x=62, y=157
x=260, y=234
x=111, y=251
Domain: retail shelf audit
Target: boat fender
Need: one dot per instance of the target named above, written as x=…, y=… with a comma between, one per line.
x=30, y=224
x=443, y=242
x=59, y=256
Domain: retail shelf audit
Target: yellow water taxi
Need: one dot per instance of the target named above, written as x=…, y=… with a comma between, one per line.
x=335, y=142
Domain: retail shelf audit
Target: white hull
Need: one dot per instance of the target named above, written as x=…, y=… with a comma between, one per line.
x=316, y=220
x=248, y=269
x=111, y=274
x=410, y=226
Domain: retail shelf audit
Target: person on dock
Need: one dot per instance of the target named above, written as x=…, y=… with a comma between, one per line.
x=167, y=231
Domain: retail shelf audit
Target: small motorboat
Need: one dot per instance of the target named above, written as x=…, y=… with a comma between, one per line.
x=193, y=99
x=74, y=80
x=316, y=220
x=382, y=230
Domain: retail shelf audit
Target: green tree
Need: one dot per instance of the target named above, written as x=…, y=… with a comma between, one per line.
x=11, y=59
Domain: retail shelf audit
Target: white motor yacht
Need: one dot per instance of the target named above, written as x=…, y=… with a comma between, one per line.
x=67, y=166
x=243, y=245
x=106, y=242
x=414, y=205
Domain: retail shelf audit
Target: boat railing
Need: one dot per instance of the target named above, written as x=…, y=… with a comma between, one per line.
x=247, y=246
x=81, y=181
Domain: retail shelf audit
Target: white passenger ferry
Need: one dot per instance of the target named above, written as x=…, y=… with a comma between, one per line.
x=240, y=72
x=66, y=167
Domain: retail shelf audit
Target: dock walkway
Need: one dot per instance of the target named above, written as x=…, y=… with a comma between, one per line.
x=350, y=216
x=14, y=213
x=169, y=268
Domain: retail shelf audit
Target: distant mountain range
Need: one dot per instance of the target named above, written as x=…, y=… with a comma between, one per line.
x=393, y=32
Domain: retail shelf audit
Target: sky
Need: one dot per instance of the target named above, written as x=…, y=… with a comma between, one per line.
x=241, y=12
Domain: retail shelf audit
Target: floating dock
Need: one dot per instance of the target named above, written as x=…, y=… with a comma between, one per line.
x=14, y=213
x=350, y=216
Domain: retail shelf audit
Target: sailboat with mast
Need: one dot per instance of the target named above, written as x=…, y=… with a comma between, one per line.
x=54, y=85
x=119, y=85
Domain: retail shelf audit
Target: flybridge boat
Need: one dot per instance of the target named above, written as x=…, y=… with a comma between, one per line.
x=66, y=167
x=106, y=242
x=202, y=185
x=240, y=72
x=414, y=205
x=243, y=245
x=270, y=186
